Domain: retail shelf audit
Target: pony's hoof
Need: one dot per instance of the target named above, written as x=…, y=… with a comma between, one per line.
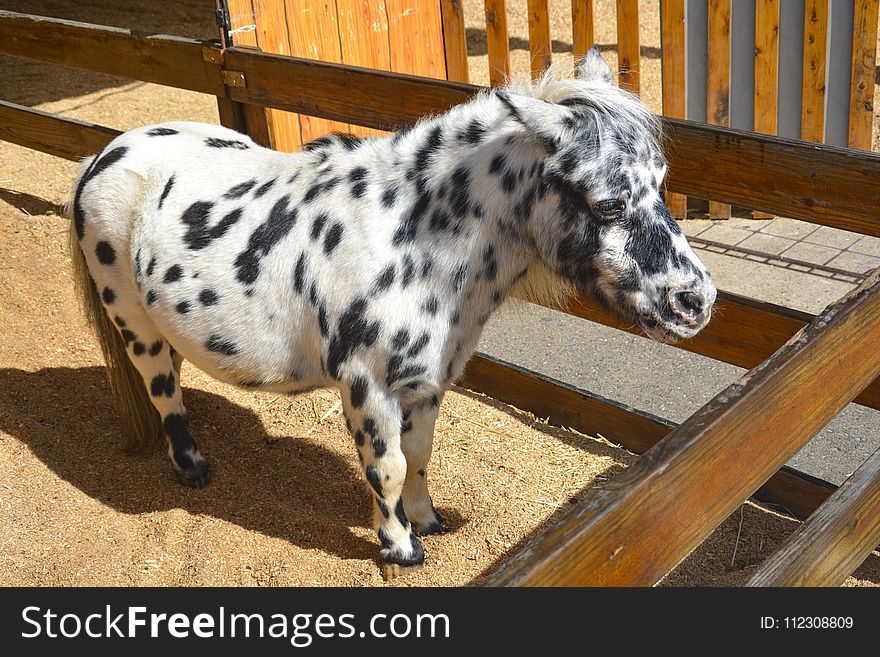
x=198, y=476
x=436, y=526
x=392, y=571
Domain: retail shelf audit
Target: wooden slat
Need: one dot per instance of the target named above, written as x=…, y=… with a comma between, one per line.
x=718, y=79
x=560, y=404
x=815, y=52
x=864, y=59
x=581, y=28
x=673, y=69
x=244, y=34
x=681, y=489
x=497, y=42
x=170, y=60
x=823, y=184
x=363, y=40
x=766, y=71
x=272, y=36
x=540, y=48
x=313, y=27
x=63, y=137
x=628, y=56
x=835, y=540
x=415, y=35
x=454, y=40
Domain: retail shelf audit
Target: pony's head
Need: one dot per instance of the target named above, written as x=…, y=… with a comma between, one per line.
x=603, y=225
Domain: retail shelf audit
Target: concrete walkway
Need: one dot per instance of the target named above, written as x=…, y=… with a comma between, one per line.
x=782, y=261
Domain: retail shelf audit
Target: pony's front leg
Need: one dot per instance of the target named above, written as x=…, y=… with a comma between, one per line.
x=374, y=417
x=417, y=437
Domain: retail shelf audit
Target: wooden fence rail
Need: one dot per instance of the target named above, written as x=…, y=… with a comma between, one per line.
x=680, y=490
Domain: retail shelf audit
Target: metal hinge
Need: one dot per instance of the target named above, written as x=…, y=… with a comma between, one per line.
x=234, y=78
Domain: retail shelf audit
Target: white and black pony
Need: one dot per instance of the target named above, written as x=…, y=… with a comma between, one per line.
x=373, y=264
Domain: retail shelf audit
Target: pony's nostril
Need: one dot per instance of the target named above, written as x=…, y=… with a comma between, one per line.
x=690, y=302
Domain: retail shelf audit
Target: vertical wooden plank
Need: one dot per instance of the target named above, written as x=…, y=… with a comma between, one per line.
x=497, y=42
x=673, y=74
x=718, y=79
x=628, y=57
x=766, y=70
x=454, y=40
x=581, y=28
x=540, y=47
x=363, y=40
x=243, y=33
x=815, y=52
x=415, y=37
x=314, y=34
x=864, y=57
x=284, y=127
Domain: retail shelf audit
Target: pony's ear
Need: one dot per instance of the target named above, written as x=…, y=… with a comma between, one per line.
x=544, y=120
x=594, y=67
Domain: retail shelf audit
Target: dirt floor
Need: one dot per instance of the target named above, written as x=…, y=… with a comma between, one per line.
x=287, y=505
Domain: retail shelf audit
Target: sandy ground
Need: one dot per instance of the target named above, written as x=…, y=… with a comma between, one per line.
x=287, y=505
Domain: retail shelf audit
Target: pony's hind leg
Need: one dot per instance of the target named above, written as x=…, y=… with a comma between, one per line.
x=159, y=367
x=416, y=440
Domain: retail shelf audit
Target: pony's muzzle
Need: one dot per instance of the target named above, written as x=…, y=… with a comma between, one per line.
x=692, y=306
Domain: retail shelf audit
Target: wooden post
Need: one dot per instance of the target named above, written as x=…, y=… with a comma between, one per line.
x=718, y=79
x=766, y=70
x=864, y=59
x=628, y=57
x=497, y=42
x=454, y=40
x=815, y=50
x=581, y=28
x=540, y=47
x=672, y=36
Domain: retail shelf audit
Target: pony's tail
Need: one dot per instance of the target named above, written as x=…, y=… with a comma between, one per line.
x=138, y=417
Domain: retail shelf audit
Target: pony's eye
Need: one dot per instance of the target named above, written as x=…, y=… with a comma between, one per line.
x=611, y=209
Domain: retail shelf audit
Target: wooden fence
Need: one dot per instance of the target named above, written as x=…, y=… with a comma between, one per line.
x=797, y=69
x=803, y=369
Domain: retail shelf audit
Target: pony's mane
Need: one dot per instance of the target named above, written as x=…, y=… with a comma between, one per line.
x=558, y=85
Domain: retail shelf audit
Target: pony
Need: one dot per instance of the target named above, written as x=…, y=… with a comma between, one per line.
x=373, y=264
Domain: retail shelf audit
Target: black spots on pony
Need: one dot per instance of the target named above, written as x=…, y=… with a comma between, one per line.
x=97, y=167
x=459, y=277
x=128, y=336
x=299, y=273
x=138, y=348
x=373, y=478
x=431, y=305
x=389, y=196
x=263, y=189
x=182, y=308
x=156, y=347
x=409, y=226
x=240, y=189
x=397, y=370
x=105, y=253
x=166, y=191
x=318, y=225
x=217, y=344
x=508, y=181
x=162, y=132
x=358, y=184
x=473, y=133
x=216, y=142
x=108, y=296
x=173, y=274
x=352, y=332
x=265, y=236
x=409, y=270
x=400, y=340
x=420, y=343
x=208, y=297
x=163, y=384
x=490, y=263
x=649, y=243
x=359, y=388
x=332, y=238
x=385, y=279
x=459, y=199
x=196, y=216
x=152, y=297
